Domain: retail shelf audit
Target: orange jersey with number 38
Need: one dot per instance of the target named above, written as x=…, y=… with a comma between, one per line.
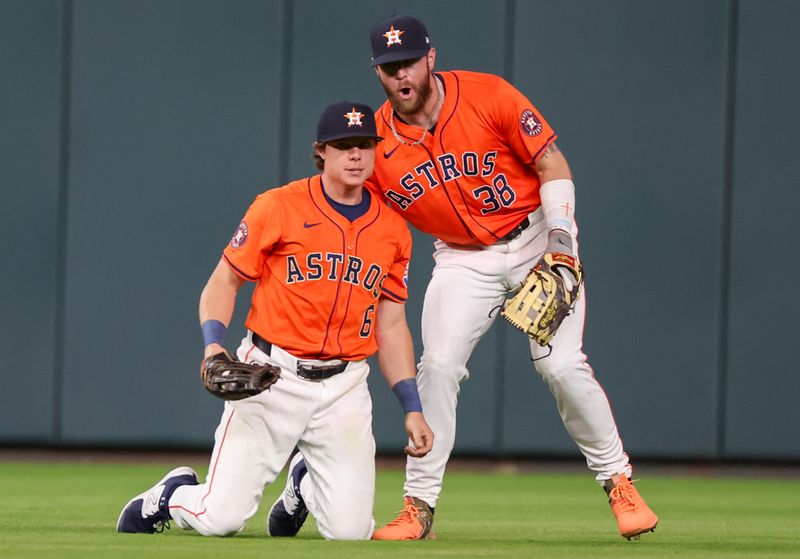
x=472, y=179
x=319, y=276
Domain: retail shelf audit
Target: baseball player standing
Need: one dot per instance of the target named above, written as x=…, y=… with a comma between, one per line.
x=469, y=159
x=330, y=265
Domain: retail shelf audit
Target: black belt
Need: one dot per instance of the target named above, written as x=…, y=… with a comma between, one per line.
x=517, y=231
x=308, y=372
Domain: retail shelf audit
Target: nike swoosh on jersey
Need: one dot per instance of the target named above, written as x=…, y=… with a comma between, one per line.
x=308, y=225
x=388, y=154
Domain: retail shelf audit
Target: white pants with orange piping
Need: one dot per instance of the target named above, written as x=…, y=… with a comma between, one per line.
x=329, y=420
x=462, y=300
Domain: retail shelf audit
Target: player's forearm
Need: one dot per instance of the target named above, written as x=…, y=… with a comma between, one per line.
x=557, y=194
x=558, y=205
x=217, y=302
x=396, y=360
x=395, y=352
x=218, y=298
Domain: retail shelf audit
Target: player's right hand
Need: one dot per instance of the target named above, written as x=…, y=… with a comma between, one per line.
x=420, y=435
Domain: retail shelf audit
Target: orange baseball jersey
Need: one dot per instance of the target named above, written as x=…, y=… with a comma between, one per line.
x=319, y=276
x=472, y=180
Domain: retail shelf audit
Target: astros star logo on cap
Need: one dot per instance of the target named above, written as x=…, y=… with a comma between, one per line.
x=353, y=118
x=393, y=36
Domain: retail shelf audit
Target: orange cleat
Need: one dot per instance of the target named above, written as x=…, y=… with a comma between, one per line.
x=414, y=523
x=633, y=515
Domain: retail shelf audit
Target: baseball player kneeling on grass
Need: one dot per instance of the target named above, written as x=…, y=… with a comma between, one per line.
x=330, y=263
x=469, y=160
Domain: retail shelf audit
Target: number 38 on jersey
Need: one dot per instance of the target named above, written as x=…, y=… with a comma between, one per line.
x=495, y=194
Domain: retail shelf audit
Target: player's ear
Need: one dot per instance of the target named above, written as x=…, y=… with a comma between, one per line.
x=432, y=58
x=317, y=153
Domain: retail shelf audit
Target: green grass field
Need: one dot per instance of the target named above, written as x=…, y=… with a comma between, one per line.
x=69, y=510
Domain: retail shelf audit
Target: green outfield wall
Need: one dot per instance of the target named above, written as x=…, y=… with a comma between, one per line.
x=134, y=134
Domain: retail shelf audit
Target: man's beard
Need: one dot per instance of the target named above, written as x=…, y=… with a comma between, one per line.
x=411, y=106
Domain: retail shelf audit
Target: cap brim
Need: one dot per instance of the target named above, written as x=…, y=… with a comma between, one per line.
x=348, y=135
x=400, y=55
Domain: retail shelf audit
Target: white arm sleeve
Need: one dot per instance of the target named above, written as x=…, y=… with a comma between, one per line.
x=558, y=204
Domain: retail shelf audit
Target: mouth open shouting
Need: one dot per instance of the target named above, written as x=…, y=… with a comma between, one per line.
x=408, y=98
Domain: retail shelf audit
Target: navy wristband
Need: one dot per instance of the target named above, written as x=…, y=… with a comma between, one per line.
x=406, y=392
x=213, y=332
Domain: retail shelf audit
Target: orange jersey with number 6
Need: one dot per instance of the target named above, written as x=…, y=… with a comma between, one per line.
x=319, y=276
x=472, y=179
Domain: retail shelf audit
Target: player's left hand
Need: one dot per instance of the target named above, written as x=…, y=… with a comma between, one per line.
x=230, y=379
x=419, y=434
x=546, y=297
x=560, y=243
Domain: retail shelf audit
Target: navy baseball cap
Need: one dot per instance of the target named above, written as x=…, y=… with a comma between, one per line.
x=398, y=37
x=346, y=119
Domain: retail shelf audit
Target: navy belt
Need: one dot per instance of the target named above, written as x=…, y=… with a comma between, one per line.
x=517, y=231
x=308, y=372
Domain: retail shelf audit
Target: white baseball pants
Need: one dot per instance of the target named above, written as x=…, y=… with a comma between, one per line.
x=331, y=423
x=463, y=298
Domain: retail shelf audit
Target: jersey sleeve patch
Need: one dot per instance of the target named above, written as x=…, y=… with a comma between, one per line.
x=529, y=124
x=239, y=236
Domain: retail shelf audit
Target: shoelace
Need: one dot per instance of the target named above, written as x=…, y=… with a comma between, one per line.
x=161, y=525
x=407, y=514
x=622, y=494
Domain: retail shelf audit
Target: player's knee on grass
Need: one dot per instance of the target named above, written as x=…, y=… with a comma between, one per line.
x=348, y=531
x=225, y=524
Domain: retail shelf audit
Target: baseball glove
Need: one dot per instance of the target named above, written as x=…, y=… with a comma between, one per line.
x=230, y=379
x=545, y=297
